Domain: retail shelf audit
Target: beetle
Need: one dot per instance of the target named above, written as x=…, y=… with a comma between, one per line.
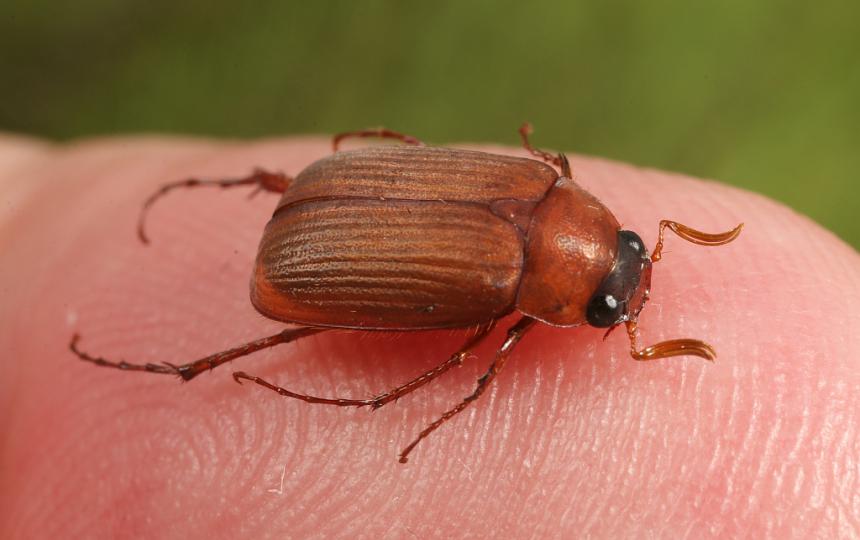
x=411, y=237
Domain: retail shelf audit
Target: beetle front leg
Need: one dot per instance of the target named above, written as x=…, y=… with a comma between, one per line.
x=192, y=369
x=374, y=403
x=559, y=160
x=381, y=133
x=274, y=182
x=515, y=334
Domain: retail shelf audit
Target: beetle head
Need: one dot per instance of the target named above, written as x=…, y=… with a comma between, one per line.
x=624, y=290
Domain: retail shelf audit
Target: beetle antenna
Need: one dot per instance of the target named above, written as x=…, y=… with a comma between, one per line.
x=678, y=347
x=264, y=180
x=692, y=235
x=665, y=349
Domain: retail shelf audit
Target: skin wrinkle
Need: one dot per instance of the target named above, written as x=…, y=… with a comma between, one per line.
x=685, y=434
x=262, y=426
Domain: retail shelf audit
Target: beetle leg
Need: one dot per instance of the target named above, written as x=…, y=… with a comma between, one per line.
x=559, y=160
x=515, y=334
x=455, y=360
x=192, y=369
x=374, y=403
x=274, y=182
x=380, y=132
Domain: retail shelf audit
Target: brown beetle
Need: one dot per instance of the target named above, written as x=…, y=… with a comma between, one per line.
x=413, y=237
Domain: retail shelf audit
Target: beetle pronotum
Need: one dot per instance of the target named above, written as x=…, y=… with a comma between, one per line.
x=411, y=237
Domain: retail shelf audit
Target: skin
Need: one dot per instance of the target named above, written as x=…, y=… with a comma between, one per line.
x=574, y=439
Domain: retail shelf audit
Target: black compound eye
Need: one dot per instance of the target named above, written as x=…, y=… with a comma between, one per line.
x=604, y=310
x=610, y=302
x=633, y=242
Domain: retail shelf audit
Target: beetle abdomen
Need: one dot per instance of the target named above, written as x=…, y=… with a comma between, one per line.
x=393, y=264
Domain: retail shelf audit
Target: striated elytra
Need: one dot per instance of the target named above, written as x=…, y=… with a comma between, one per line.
x=411, y=237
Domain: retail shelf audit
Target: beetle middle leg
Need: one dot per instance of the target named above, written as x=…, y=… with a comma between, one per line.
x=381, y=133
x=515, y=334
x=274, y=182
x=374, y=403
x=192, y=369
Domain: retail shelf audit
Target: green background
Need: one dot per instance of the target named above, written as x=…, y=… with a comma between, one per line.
x=759, y=93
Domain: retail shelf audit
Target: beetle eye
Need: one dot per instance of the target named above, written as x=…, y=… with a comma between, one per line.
x=604, y=310
x=634, y=242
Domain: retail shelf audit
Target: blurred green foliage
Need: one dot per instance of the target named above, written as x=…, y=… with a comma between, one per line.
x=762, y=94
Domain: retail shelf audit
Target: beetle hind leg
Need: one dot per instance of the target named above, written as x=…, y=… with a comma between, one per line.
x=382, y=399
x=192, y=369
x=274, y=182
x=381, y=133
